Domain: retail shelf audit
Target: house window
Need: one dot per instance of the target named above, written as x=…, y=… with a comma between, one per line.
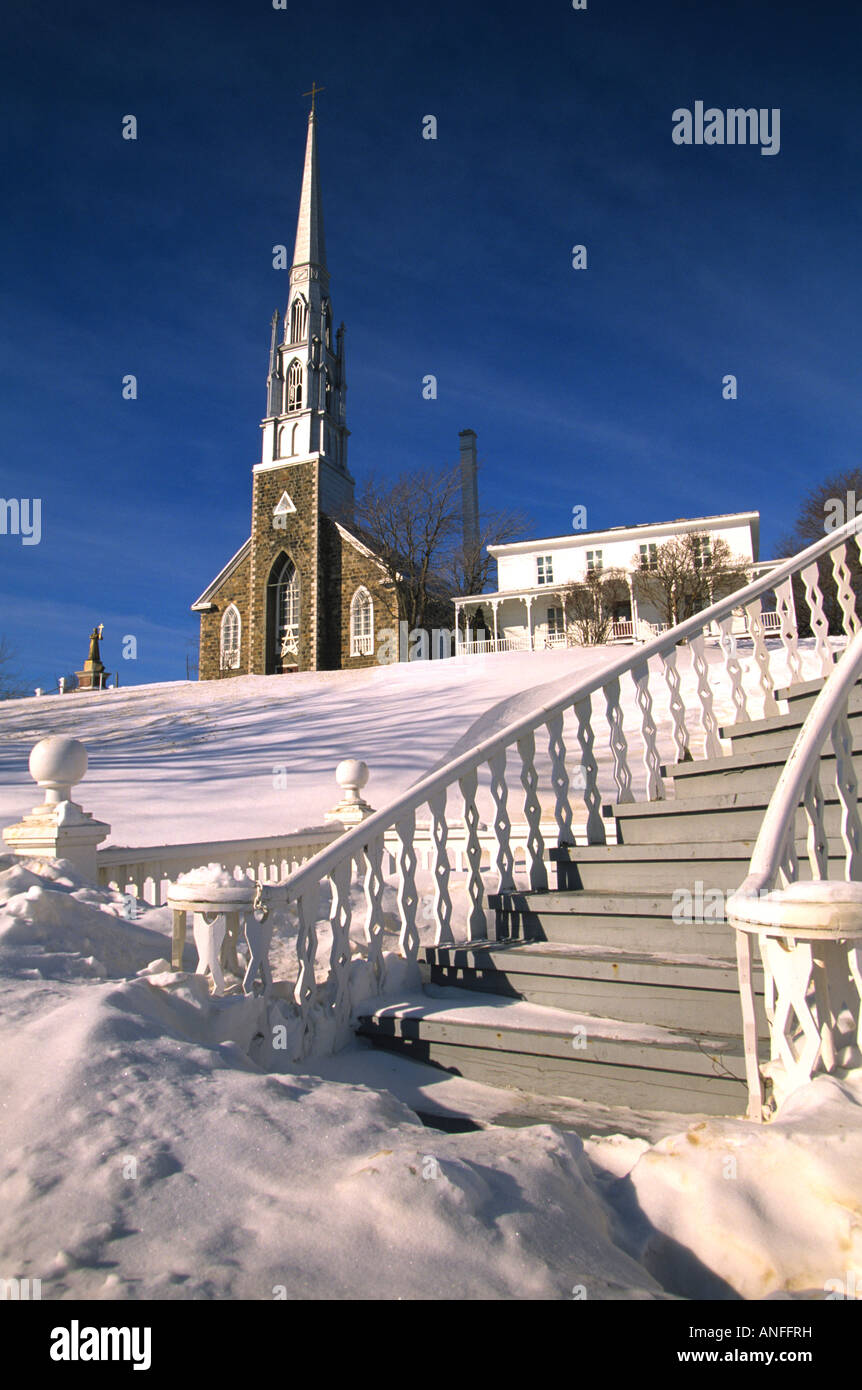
x=556, y=625
x=294, y=387
x=545, y=569
x=231, y=626
x=361, y=624
x=701, y=551
x=649, y=557
x=594, y=561
x=297, y=320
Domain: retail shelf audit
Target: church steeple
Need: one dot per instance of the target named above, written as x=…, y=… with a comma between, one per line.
x=310, y=247
x=306, y=385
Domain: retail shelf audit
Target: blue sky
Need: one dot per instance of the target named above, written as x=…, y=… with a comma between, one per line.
x=451, y=257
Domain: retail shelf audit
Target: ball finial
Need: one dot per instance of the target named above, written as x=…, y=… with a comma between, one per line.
x=351, y=775
x=56, y=764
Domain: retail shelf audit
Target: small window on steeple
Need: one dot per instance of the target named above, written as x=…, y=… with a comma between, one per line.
x=327, y=325
x=297, y=319
x=294, y=387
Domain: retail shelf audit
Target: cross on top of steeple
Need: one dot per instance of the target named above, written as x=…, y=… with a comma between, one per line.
x=313, y=93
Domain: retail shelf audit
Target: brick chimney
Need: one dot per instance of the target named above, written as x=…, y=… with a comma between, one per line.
x=469, y=490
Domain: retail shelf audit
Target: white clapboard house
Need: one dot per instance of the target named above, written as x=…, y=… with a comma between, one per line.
x=527, y=610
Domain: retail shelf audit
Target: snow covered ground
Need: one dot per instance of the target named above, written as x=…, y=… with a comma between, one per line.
x=153, y=1145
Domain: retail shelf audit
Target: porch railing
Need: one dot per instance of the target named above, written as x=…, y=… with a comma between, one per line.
x=451, y=794
x=148, y=870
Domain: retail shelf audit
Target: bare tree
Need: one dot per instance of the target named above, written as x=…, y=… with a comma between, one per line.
x=413, y=525
x=824, y=509
x=588, y=605
x=687, y=574
x=408, y=523
x=469, y=566
x=11, y=686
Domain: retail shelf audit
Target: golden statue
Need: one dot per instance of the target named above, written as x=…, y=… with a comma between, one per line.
x=94, y=655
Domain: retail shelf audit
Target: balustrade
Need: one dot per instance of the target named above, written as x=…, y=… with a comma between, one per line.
x=604, y=735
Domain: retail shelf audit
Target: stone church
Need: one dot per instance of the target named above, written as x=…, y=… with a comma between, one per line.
x=303, y=593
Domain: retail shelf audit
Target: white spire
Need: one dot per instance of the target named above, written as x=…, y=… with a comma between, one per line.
x=310, y=247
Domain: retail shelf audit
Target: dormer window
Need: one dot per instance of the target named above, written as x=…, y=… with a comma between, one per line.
x=544, y=569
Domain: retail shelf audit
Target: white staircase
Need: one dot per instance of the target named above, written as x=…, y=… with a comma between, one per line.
x=585, y=980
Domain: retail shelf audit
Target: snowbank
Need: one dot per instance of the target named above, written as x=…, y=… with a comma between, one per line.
x=153, y=1144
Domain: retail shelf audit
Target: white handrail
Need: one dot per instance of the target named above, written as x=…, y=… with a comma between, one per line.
x=355, y=840
x=804, y=988
x=778, y=822
x=324, y=1005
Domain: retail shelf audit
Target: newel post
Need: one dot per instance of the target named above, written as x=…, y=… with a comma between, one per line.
x=351, y=776
x=59, y=828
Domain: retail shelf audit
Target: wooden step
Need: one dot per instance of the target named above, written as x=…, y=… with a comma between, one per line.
x=638, y=920
x=695, y=820
x=781, y=730
x=549, y=1051
x=672, y=991
x=653, y=868
x=743, y=772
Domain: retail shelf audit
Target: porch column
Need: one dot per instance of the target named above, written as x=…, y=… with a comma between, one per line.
x=528, y=599
x=495, y=604
x=634, y=605
x=457, y=629
x=562, y=598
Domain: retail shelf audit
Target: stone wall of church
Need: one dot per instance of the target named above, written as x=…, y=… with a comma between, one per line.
x=235, y=589
x=299, y=540
x=358, y=569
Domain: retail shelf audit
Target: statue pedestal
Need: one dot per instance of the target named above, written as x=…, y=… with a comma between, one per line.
x=93, y=677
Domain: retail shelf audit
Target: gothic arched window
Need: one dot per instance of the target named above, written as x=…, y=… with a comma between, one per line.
x=327, y=393
x=327, y=324
x=231, y=628
x=287, y=609
x=297, y=319
x=294, y=386
x=361, y=624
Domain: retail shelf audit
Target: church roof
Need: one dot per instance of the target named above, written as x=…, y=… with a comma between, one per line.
x=359, y=545
x=205, y=600
x=310, y=247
